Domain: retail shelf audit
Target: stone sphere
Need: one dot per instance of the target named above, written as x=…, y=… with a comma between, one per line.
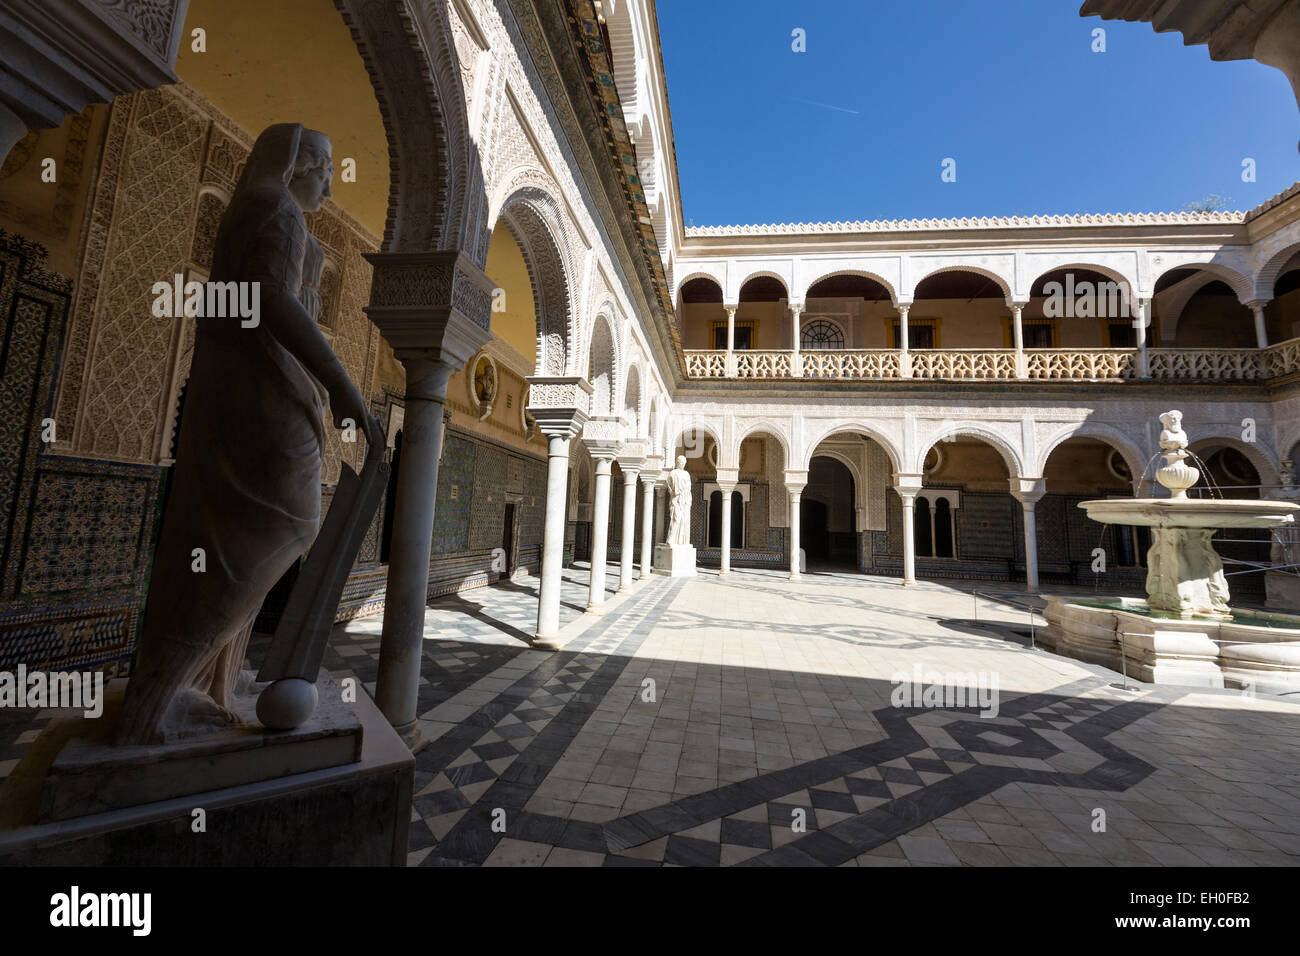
x=287, y=704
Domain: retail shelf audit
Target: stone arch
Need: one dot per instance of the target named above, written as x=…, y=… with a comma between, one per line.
x=1265, y=461
x=602, y=367
x=1267, y=277
x=1128, y=283
x=856, y=428
x=1010, y=454
x=537, y=222
x=719, y=281
x=1237, y=281
x=633, y=404
x=762, y=274
x=680, y=429
x=775, y=429
x=860, y=273
x=416, y=75
x=1002, y=282
x=1104, y=433
x=652, y=425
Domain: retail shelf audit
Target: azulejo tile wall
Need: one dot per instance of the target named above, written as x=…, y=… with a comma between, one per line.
x=77, y=534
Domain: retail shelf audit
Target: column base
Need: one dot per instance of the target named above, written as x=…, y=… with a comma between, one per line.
x=646, y=574
x=595, y=610
x=796, y=576
x=411, y=736
x=546, y=642
x=724, y=572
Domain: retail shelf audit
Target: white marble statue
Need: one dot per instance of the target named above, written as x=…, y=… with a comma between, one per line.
x=246, y=484
x=679, y=492
x=1173, y=439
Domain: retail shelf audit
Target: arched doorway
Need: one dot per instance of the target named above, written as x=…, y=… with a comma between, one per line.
x=827, y=514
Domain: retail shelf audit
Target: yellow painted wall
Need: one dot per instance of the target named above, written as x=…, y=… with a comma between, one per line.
x=293, y=61
x=517, y=324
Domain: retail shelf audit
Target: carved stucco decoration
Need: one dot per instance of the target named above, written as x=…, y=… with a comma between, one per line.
x=422, y=103
x=155, y=23
x=540, y=227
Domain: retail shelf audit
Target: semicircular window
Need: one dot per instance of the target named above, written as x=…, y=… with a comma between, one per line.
x=821, y=334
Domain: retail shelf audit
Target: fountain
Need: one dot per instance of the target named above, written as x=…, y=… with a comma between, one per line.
x=1185, y=632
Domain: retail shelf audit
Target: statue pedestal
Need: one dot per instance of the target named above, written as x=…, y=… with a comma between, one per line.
x=675, y=560
x=336, y=790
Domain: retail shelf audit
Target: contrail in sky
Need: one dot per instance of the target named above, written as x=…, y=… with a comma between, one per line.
x=825, y=106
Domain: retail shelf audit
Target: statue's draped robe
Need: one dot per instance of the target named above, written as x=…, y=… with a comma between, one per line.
x=679, y=488
x=246, y=484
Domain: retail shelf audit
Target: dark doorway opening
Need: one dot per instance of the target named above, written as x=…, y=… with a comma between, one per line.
x=508, y=540
x=737, y=520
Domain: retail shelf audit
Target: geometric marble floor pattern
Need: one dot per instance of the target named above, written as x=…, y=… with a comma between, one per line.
x=748, y=721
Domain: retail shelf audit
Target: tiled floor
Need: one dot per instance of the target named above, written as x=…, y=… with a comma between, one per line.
x=749, y=720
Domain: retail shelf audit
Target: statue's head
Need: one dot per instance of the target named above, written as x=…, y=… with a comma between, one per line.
x=313, y=169
x=1172, y=420
x=681, y=461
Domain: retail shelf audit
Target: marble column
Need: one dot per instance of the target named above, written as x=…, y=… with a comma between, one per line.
x=1261, y=327
x=727, y=492
x=1141, y=323
x=661, y=507
x=433, y=339
x=796, y=360
x=905, y=355
x=726, y=479
x=559, y=406
x=602, y=436
x=795, y=482
x=407, y=588
x=731, y=341
x=1028, y=491
x=599, y=534
x=628, y=544
x=648, y=480
x=907, y=486
x=1018, y=337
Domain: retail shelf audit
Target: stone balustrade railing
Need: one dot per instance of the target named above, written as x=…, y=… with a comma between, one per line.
x=1212, y=365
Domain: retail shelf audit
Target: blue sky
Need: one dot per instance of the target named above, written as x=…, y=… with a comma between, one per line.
x=1010, y=89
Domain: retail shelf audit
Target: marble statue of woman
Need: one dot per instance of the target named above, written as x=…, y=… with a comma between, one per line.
x=679, y=491
x=245, y=490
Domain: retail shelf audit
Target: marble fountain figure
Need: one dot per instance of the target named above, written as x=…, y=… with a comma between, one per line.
x=1185, y=632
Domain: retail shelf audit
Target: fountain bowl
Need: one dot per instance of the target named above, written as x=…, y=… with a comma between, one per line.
x=1191, y=512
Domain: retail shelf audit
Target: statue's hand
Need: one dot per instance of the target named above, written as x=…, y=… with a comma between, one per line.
x=346, y=402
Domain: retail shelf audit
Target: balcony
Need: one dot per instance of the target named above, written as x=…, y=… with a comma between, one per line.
x=988, y=365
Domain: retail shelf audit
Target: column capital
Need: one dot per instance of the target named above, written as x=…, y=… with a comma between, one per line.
x=431, y=300
x=908, y=485
x=903, y=305
x=797, y=306
x=603, y=436
x=726, y=478
x=796, y=481
x=731, y=307
x=1016, y=305
x=560, y=404
x=1257, y=305
x=651, y=468
x=631, y=459
x=1027, y=490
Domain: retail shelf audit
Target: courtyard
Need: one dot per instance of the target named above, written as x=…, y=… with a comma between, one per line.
x=748, y=720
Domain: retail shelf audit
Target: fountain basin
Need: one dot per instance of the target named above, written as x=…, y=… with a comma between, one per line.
x=1246, y=650
x=1191, y=512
